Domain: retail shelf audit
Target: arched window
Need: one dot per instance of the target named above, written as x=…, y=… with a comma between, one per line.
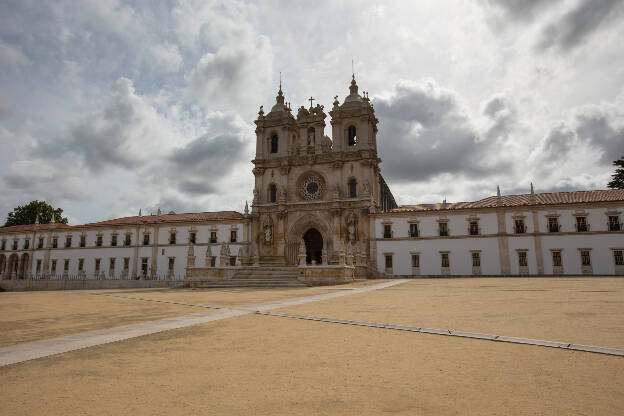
x=311, y=136
x=274, y=143
x=351, y=135
x=272, y=193
x=352, y=188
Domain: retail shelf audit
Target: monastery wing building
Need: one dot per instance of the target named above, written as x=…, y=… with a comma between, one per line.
x=322, y=212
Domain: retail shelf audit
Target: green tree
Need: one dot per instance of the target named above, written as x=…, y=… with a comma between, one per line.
x=26, y=214
x=618, y=177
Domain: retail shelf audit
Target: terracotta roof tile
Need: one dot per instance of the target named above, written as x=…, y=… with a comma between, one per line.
x=30, y=227
x=554, y=198
x=169, y=218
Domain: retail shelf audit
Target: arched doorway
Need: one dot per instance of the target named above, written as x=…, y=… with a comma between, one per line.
x=11, y=270
x=2, y=266
x=314, y=246
x=23, y=269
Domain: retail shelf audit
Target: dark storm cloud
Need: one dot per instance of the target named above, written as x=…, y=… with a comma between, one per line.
x=522, y=9
x=425, y=133
x=578, y=24
x=502, y=115
x=103, y=138
x=599, y=128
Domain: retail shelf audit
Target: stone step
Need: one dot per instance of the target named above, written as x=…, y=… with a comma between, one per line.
x=248, y=283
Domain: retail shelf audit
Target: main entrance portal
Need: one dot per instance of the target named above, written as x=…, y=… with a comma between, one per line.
x=314, y=246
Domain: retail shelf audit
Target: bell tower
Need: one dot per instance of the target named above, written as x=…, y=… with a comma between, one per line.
x=314, y=194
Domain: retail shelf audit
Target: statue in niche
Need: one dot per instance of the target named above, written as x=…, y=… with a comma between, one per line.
x=267, y=228
x=366, y=188
x=282, y=193
x=351, y=221
x=256, y=196
x=310, y=137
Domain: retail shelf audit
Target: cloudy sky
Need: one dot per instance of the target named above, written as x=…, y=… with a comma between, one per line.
x=111, y=106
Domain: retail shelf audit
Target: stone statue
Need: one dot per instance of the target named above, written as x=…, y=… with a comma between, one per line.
x=310, y=138
x=256, y=196
x=351, y=227
x=267, y=228
x=366, y=188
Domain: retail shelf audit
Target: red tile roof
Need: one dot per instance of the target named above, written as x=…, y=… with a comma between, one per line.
x=145, y=219
x=169, y=218
x=554, y=198
x=30, y=227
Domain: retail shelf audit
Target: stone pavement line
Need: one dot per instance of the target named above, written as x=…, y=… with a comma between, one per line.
x=39, y=349
x=453, y=333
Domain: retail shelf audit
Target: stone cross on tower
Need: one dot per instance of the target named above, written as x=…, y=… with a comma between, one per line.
x=311, y=99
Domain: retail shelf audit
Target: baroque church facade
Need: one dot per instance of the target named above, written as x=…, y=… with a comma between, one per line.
x=322, y=212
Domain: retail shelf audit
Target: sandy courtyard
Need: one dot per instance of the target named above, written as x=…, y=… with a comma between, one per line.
x=255, y=364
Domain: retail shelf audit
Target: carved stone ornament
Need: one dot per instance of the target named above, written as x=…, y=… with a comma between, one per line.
x=267, y=229
x=312, y=187
x=351, y=222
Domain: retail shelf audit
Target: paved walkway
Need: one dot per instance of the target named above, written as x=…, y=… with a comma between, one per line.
x=38, y=349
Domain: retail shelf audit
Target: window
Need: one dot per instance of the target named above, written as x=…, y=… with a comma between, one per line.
x=40, y=242
x=614, y=223
x=26, y=244
x=553, y=225
x=38, y=266
x=232, y=260
x=272, y=193
x=522, y=259
x=388, y=261
x=415, y=260
x=618, y=256
x=192, y=237
x=274, y=142
x=352, y=139
x=352, y=188
x=68, y=241
x=413, y=230
x=53, y=268
x=581, y=224
x=172, y=237
x=80, y=265
x=146, y=239
x=3, y=246
x=114, y=240
x=83, y=241
x=144, y=266
x=55, y=242
x=213, y=236
x=66, y=266
x=387, y=231
x=128, y=239
x=233, y=236
x=97, y=266
x=444, y=258
x=98, y=241
x=474, y=228
x=556, y=258
x=213, y=261
x=14, y=244
x=171, y=264
x=443, y=229
x=519, y=226
x=126, y=263
x=585, y=258
x=476, y=259
x=111, y=265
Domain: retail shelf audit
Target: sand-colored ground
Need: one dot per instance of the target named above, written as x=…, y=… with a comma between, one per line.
x=33, y=316
x=264, y=365
x=579, y=310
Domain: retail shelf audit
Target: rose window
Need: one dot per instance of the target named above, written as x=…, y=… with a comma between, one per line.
x=311, y=187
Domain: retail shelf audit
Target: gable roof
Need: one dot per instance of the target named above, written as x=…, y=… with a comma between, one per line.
x=551, y=198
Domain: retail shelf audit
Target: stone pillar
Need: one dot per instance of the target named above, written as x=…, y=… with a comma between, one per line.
x=302, y=254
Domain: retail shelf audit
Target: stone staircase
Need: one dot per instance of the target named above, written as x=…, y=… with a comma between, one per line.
x=258, y=277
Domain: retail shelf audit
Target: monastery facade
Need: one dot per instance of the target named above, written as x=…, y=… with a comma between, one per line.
x=322, y=212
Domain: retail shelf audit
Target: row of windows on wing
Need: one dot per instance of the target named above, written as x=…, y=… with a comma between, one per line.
x=553, y=226
x=99, y=240
x=557, y=259
x=351, y=188
x=351, y=138
x=97, y=265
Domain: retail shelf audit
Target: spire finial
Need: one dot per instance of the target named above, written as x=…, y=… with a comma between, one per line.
x=52, y=221
x=246, y=208
x=532, y=191
x=280, y=81
x=498, y=193
x=352, y=70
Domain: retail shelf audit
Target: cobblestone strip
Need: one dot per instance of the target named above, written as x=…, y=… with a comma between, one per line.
x=38, y=349
x=454, y=333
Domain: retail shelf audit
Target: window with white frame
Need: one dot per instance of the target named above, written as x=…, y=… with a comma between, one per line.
x=556, y=258
x=443, y=228
x=68, y=241
x=26, y=244
x=146, y=239
x=387, y=231
x=99, y=240
x=127, y=239
x=171, y=264
x=473, y=228
x=38, y=266
x=618, y=257
x=445, y=260
x=172, y=237
x=192, y=237
x=80, y=265
x=40, y=245
x=213, y=236
x=55, y=242
x=97, y=266
x=53, y=268
x=476, y=259
x=233, y=236
x=114, y=240
x=614, y=223
x=519, y=227
x=585, y=258
x=126, y=265
x=388, y=261
x=581, y=224
x=415, y=260
x=111, y=265
x=413, y=229
x=522, y=259
x=66, y=265
x=553, y=225
x=83, y=240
